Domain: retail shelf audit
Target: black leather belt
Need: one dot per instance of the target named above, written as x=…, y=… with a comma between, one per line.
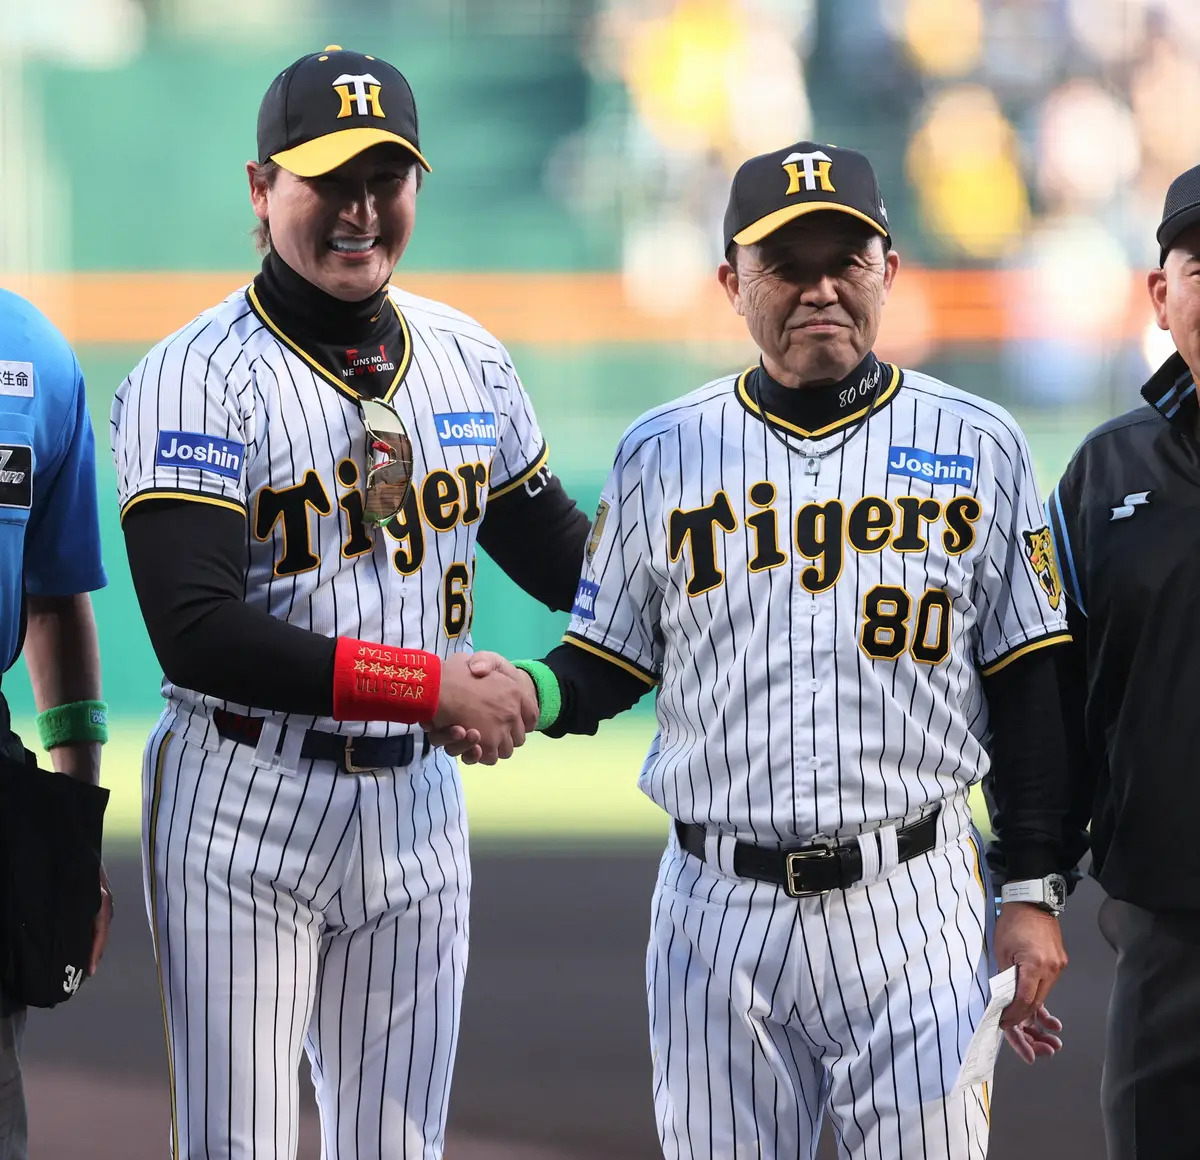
x=806, y=870
x=349, y=754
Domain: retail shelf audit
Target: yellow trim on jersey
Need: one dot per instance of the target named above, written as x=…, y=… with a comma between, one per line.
x=620, y=662
x=516, y=481
x=987, y=1104
x=345, y=388
x=194, y=496
x=155, y=797
x=1021, y=650
x=748, y=402
x=978, y=870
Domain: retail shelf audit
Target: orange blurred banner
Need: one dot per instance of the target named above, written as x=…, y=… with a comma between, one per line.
x=928, y=308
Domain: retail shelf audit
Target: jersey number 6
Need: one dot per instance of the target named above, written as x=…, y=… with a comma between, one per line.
x=885, y=633
x=458, y=609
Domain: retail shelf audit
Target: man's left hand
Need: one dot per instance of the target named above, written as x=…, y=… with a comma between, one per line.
x=101, y=923
x=1037, y=1036
x=1028, y=938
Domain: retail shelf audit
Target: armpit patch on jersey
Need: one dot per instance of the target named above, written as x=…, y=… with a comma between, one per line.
x=597, y=530
x=466, y=428
x=1039, y=551
x=585, y=600
x=204, y=452
x=931, y=466
x=16, y=475
x=16, y=378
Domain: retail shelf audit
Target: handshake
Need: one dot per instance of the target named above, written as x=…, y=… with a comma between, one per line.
x=486, y=706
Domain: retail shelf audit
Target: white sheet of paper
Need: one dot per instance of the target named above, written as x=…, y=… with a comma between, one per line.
x=980, y=1059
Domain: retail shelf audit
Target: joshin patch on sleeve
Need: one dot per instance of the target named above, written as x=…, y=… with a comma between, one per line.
x=204, y=452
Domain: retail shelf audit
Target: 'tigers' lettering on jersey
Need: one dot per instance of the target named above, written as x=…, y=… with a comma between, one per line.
x=821, y=533
x=441, y=501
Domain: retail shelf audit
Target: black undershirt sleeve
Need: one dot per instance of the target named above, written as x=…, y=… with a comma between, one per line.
x=592, y=690
x=188, y=562
x=538, y=539
x=1027, y=786
x=1071, y=662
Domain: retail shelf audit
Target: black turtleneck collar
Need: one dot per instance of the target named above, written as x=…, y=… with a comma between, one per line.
x=818, y=411
x=304, y=310
x=361, y=346
x=1171, y=391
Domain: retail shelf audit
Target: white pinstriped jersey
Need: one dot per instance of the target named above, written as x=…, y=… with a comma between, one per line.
x=280, y=439
x=819, y=639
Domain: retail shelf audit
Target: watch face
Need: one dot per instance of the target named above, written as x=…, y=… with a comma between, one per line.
x=1056, y=891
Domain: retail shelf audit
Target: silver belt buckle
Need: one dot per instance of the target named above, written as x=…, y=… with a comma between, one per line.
x=792, y=869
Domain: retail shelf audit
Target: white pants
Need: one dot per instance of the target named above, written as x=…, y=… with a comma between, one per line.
x=305, y=910
x=767, y=1011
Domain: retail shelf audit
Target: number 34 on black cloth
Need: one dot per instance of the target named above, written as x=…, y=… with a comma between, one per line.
x=51, y=829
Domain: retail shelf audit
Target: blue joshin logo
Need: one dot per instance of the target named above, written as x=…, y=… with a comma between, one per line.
x=459, y=428
x=585, y=600
x=930, y=466
x=205, y=452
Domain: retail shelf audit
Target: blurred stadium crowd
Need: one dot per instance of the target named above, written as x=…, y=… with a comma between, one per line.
x=1023, y=145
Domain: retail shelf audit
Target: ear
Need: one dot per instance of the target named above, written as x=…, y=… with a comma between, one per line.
x=728, y=278
x=891, y=263
x=1156, y=283
x=258, y=191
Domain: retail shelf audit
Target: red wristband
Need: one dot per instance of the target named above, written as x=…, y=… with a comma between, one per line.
x=373, y=682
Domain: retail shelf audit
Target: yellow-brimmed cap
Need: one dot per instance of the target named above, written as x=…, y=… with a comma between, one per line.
x=773, y=189
x=327, y=107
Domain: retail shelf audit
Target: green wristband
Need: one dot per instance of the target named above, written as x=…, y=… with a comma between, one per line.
x=77, y=722
x=548, y=693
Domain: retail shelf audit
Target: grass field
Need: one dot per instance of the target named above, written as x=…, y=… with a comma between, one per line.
x=576, y=788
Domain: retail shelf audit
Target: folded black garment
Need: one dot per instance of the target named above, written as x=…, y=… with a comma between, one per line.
x=51, y=830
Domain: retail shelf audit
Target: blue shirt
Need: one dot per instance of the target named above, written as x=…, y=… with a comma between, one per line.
x=49, y=525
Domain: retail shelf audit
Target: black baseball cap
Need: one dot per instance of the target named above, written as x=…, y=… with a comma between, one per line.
x=329, y=106
x=1180, y=210
x=776, y=188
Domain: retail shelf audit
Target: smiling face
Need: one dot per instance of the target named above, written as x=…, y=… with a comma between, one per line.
x=345, y=230
x=812, y=294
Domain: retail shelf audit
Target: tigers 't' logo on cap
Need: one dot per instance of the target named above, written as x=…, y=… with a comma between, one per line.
x=808, y=171
x=360, y=94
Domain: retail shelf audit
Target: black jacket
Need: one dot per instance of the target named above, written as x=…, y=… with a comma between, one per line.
x=1126, y=524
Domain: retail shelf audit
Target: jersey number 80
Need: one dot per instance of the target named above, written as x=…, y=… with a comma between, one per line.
x=885, y=633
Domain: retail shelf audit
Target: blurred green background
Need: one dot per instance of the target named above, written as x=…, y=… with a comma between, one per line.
x=1023, y=147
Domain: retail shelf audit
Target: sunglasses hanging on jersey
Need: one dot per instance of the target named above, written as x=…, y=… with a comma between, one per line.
x=389, y=462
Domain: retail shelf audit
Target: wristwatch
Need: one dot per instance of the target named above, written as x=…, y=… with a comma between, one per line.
x=1049, y=893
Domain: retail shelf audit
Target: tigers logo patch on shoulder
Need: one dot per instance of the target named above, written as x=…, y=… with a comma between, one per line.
x=1039, y=551
x=597, y=530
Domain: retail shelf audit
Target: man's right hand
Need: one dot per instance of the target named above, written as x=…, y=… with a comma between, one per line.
x=484, y=708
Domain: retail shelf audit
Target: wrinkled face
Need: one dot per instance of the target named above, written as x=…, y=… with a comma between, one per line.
x=1175, y=292
x=812, y=294
x=345, y=230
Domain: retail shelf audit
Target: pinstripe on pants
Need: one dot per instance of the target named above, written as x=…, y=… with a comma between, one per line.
x=305, y=909
x=766, y=1011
